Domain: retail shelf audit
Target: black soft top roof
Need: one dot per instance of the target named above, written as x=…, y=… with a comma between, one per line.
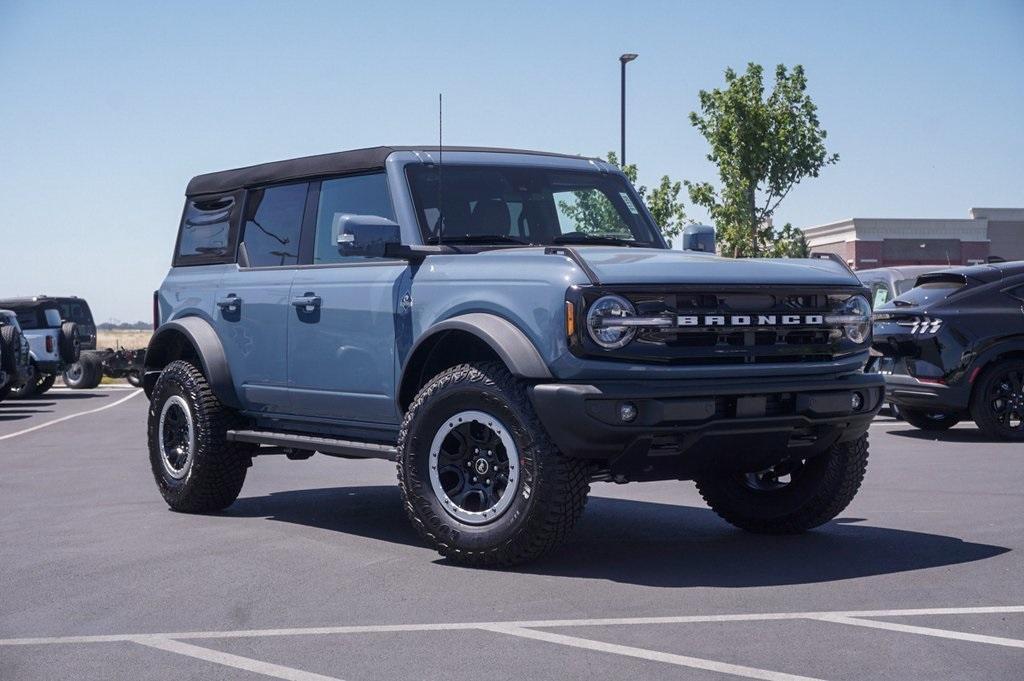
x=337, y=163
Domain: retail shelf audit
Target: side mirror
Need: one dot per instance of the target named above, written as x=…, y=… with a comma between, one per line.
x=364, y=235
x=699, y=238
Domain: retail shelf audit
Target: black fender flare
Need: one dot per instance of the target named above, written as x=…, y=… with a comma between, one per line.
x=507, y=341
x=998, y=348
x=165, y=346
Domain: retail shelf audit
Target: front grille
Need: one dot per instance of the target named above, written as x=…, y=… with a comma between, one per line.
x=724, y=344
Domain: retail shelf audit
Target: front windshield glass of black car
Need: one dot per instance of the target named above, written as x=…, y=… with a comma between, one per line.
x=514, y=204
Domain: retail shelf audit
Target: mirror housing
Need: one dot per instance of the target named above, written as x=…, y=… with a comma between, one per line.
x=699, y=238
x=364, y=235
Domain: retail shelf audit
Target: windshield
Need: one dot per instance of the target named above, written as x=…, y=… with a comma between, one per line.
x=511, y=204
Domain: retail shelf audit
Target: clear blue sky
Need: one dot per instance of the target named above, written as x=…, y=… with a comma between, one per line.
x=107, y=109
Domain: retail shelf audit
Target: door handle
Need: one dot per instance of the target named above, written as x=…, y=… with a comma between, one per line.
x=229, y=303
x=306, y=303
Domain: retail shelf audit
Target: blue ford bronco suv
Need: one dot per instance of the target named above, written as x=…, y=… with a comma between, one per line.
x=508, y=326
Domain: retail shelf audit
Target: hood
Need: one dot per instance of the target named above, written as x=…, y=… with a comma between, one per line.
x=616, y=265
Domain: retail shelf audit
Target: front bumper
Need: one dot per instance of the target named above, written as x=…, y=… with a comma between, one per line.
x=684, y=427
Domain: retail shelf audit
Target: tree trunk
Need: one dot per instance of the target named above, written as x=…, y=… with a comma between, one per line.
x=752, y=208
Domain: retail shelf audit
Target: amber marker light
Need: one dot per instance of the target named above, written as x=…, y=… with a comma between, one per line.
x=570, y=319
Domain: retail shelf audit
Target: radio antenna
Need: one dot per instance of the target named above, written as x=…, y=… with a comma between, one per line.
x=440, y=167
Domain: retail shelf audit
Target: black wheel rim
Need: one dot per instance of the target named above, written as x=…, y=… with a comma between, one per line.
x=1005, y=399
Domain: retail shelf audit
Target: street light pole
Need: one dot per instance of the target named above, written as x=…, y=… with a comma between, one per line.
x=623, y=60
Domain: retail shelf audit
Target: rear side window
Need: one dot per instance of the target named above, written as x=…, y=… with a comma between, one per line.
x=206, y=235
x=29, y=319
x=273, y=224
x=76, y=310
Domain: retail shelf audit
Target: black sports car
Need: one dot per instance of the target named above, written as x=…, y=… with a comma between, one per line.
x=953, y=348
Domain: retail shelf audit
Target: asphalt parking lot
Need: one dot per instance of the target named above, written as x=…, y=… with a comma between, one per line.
x=315, y=573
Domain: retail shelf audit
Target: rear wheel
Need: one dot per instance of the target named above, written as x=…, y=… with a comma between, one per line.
x=929, y=420
x=196, y=469
x=33, y=383
x=134, y=377
x=480, y=479
x=84, y=374
x=793, y=496
x=998, y=403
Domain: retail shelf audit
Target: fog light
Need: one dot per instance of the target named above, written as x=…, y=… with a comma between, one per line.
x=857, y=401
x=627, y=411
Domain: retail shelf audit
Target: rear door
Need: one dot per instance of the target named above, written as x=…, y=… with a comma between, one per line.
x=341, y=325
x=253, y=301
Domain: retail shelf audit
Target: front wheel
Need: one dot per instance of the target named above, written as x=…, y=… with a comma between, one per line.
x=929, y=420
x=134, y=378
x=793, y=496
x=196, y=469
x=479, y=478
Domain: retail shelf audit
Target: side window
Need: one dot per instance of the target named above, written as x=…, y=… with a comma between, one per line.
x=273, y=223
x=880, y=293
x=206, y=231
x=358, y=195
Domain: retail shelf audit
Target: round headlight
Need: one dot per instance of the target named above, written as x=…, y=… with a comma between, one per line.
x=601, y=322
x=854, y=314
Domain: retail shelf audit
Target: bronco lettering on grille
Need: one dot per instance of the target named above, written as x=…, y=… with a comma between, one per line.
x=751, y=320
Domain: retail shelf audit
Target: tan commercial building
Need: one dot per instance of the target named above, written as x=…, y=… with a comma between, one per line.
x=886, y=242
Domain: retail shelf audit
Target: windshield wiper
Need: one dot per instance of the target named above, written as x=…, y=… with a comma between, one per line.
x=477, y=239
x=597, y=239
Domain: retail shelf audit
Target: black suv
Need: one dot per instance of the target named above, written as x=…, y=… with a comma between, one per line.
x=953, y=348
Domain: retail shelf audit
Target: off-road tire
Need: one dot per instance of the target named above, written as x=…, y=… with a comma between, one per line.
x=33, y=384
x=69, y=343
x=981, y=410
x=215, y=476
x=90, y=376
x=828, y=483
x=551, y=491
x=9, y=338
x=134, y=377
x=929, y=420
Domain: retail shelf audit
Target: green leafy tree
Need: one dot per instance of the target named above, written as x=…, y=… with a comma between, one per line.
x=593, y=213
x=763, y=147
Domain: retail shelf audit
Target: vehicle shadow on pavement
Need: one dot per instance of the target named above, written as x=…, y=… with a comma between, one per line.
x=952, y=435
x=651, y=544
x=23, y=409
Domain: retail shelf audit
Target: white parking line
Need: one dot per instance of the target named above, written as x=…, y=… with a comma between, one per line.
x=227, y=659
x=532, y=624
x=645, y=654
x=69, y=417
x=924, y=631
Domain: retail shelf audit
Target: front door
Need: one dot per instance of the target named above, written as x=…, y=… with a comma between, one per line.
x=253, y=303
x=341, y=326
